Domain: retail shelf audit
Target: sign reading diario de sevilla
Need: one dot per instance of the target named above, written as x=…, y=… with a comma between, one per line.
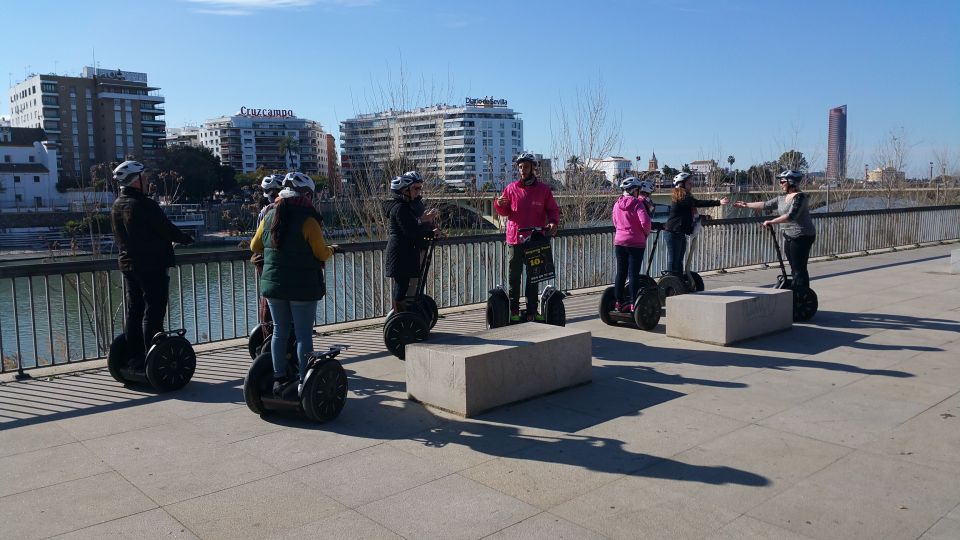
x=266, y=113
x=485, y=102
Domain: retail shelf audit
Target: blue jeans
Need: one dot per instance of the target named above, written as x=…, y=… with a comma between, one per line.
x=629, y=262
x=676, y=249
x=302, y=315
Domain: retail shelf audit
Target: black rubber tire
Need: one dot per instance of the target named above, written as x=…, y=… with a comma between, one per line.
x=402, y=329
x=646, y=309
x=259, y=381
x=645, y=281
x=256, y=339
x=117, y=358
x=498, y=311
x=697, y=282
x=429, y=308
x=805, y=304
x=325, y=392
x=671, y=285
x=607, y=299
x=291, y=346
x=555, y=313
x=170, y=364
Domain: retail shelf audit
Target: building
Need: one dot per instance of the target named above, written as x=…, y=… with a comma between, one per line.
x=885, y=175
x=702, y=169
x=98, y=117
x=474, y=143
x=653, y=164
x=837, y=144
x=613, y=168
x=333, y=169
x=271, y=139
x=185, y=136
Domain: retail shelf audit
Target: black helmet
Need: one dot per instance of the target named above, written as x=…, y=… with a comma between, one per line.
x=791, y=177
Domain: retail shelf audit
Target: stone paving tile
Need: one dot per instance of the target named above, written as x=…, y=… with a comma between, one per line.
x=610, y=398
x=459, y=445
x=748, y=528
x=744, y=468
x=945, y=529
x=452, y=508
x=24, y=472
x=29, y=438
x=234, y=425
x=109, y=422
x=545, y=526
x=175, y=462
x=152, y=524
x=849, y=418
x=629, y=508
x=290, y=449
x=903, y=389
x=71, y=505
x=269, y=506
x=345, y=524
x=369, y=474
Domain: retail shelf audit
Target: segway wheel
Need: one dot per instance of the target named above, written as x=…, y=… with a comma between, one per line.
x=291, y=345
x=117, y=358
x=403, y=329
x=258, y=382
x=607, y=299
x=805, y=304
x=170, y=364
x=697, y=282
x=671, y=285
x=256, y=340
x=645, y=282
x=325, y=392
x=555, y=312
x=430, y=309
x=646, y=309
x=498, y=311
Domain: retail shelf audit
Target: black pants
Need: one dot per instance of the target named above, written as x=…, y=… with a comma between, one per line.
x=516, y=265
x=399, y=288
x=145, y=293
x=629, y=263
x=798, y=251
x=676, y=249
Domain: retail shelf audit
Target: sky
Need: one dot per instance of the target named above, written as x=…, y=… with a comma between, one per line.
x=688, y=79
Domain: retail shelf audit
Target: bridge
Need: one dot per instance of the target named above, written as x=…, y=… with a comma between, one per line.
x=480, y=204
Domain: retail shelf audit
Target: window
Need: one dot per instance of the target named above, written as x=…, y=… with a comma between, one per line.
x=6, y=158
x=36, y=179
x=33, y=159
x=38, y=202
x=16, y=179
x=19, y=197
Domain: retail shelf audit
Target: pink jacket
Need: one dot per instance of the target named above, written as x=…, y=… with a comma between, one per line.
x=632, y=221
x=531, y=206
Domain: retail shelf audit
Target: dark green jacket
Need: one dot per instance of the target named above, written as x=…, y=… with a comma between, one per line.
x=291, y=272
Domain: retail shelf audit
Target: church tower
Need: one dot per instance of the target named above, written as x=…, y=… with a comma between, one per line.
x=652, y=165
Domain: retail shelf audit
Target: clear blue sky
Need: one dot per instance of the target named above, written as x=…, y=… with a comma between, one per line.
x=690, y=79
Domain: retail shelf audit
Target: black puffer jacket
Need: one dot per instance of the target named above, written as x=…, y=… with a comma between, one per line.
x=405, y=240
x=681, y=214
x=142, y=232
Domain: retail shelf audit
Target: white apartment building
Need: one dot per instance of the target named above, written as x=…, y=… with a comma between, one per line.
x=184, y=136
x=614, y=168
x=253, y=138
x=474, y=143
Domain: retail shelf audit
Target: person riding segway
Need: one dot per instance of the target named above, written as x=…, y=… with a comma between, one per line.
x=261, y=333
x=532, y=218
x=411, y=317
x=144, y=352
x=799, y=234
x=677, y=278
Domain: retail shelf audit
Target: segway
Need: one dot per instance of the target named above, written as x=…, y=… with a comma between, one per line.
x=805, y=301
x=690, y=281
x=650, y=298
x=324, y=387
x=260, y=340
x=538, y=261
x=169, y=363
x=413, y=324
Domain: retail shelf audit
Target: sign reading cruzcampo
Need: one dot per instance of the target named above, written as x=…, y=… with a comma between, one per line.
x=266, y=113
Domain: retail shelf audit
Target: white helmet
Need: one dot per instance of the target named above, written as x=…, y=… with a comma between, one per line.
x=680, y=178
x=293, y=182
x=526, y=156
x=405, y=180
x=127, y=172
x=791, y=177
x=273, y=181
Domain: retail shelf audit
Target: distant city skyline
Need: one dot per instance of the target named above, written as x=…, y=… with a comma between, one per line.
x=702, y=80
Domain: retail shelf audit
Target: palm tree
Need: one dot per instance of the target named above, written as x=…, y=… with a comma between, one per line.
x=730, y=160
x=289, y=147
x=574, y=162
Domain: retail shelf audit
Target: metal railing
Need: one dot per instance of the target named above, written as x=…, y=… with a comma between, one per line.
x=61, y=312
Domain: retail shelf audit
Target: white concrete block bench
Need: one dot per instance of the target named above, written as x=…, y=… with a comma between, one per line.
x=470, y=374
x=730, y=314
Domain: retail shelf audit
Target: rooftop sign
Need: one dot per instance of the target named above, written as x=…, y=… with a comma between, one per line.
x=266, y=113
x=485, y=102
x=115, y=74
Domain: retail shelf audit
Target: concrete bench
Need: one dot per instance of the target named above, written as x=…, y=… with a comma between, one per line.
x=730, y=314
x=955, y=261
x=470, y=374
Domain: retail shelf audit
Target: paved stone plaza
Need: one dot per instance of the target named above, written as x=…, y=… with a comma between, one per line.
x=846, y=427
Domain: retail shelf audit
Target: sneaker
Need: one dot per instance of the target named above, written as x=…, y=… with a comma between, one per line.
x=616, y=306
x=629, y=308
x=136, y=364
x=624, y=308
x=538, y=317
x=515, y=315
x=278, y=385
